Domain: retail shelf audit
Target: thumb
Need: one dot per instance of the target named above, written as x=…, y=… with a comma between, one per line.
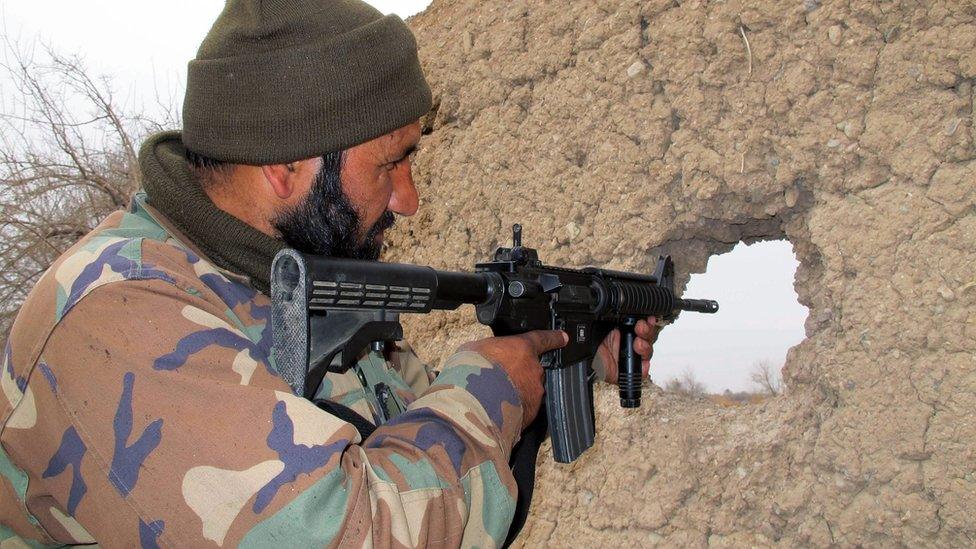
x=546, y=340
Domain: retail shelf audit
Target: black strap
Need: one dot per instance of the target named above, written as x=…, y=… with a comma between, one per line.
x=347, y=414
x=522, y=462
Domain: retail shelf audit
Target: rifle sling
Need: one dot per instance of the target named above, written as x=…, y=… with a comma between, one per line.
x=522, y=462
x=347, y=414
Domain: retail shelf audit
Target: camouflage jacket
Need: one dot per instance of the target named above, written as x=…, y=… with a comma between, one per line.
x=142, y=407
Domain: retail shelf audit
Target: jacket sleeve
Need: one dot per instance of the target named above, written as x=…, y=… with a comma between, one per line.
x=164, y=424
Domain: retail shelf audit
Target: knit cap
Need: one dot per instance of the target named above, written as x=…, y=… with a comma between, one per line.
x=276, y=81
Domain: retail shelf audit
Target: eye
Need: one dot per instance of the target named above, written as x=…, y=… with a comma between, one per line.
x=394, y=165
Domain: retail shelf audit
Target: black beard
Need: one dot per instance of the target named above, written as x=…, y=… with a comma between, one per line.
x=326, y=223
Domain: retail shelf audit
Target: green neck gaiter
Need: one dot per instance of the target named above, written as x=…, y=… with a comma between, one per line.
x=174, y=190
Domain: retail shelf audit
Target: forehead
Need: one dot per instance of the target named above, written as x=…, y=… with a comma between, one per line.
x=389, y=147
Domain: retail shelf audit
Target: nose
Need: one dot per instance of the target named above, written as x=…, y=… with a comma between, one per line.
x=404, y=199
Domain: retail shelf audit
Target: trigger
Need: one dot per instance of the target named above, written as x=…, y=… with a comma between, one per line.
x=548, y=359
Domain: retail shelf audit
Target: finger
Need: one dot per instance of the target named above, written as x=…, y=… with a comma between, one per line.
x=655, y=329
x=643, y=348
x=612, y=342
x=646, y=367
x=546, y=340
x=643, y=329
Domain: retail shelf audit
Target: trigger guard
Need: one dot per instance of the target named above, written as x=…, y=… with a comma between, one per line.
x=549, y=360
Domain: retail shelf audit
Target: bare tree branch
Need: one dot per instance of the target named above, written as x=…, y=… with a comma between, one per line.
x=68, y=158
x=687, y=384
x=766, y=377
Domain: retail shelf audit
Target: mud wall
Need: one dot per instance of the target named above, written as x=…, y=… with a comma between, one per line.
x=614, y=130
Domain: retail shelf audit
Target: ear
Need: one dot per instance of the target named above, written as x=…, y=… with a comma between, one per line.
x=281, y=178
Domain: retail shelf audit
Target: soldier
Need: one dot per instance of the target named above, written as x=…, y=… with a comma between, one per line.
x=141, y=405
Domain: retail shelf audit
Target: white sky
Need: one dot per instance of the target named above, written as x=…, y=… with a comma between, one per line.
x=759, y=318
x=144, y=47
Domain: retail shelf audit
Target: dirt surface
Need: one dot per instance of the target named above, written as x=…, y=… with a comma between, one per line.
x=617, y=130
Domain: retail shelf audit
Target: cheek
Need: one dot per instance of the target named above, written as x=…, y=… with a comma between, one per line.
x=370, y=196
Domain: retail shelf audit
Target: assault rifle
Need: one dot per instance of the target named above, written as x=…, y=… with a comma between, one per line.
x=326, y=312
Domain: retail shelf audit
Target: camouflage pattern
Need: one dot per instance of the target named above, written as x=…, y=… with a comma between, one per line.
x=141, y=408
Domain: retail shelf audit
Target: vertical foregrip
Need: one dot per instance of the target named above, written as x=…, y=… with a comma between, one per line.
x=629, y=378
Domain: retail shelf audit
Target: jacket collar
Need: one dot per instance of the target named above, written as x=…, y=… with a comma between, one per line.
x=175, y=199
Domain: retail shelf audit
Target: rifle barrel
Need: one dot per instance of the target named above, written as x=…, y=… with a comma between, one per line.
x=698, y=305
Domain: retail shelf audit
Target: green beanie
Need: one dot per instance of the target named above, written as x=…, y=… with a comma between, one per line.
x=282, y=80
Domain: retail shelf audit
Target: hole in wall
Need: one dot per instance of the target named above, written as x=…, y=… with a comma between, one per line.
x=739, y=352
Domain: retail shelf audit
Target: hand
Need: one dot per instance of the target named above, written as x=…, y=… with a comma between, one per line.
x=609, y=350
x=519, y=355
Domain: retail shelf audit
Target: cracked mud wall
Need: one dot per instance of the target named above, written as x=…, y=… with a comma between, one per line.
x=615, y=130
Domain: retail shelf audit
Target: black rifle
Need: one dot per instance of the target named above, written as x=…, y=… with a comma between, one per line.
x=326, y=312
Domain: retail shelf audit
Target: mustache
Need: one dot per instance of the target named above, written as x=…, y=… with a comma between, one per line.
x=386, y=221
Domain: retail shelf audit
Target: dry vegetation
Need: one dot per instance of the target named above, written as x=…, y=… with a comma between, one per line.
x=766, y=379
x=68, y=158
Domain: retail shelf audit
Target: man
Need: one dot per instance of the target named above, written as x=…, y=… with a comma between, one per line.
x=142, y=405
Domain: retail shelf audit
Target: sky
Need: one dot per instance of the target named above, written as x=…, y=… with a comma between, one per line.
x=144, y=50
x=142, y=45
x=759, y=318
